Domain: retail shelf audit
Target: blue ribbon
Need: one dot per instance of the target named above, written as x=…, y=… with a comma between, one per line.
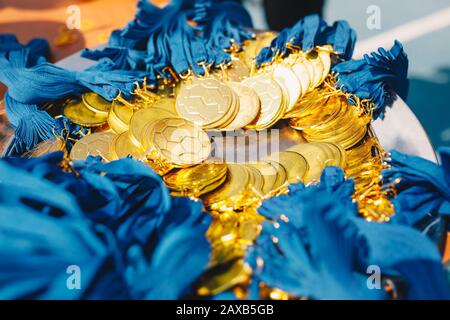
x=161, y=37
x=324, y=249
x=223, y=23
x=120, y=227
x=32, y=81
x=423, y=188
x=123, y=58
x=46, y=82
x=378, y=77
x=308, y=33
x=342, y=38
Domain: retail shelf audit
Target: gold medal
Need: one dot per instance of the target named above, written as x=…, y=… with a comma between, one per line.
x=271, y=97
x=287, y=79
x=294, y=163
x=315, y=155
x=333, y=114
x=256, y=179
x=204, y=101
x=298, y=66
x=269, y=174
x=122, y=147
x=119, y=117
x=179, y=142
x=334, y=157
x=115, y=124
x=46, y=147
x=320, y=116
x=196, y=180
x=168, y=104
x=235, y=71
x=249, y=106
x=95, y=144
x=281, y=178
x=197, y=191
x=230, y=192
x=143, y=117
x=229, y=116
x=317, y=68
x=312, y=74
x=305, y=105
x=324, y=56
x=340, y=151
x=355, y=139
x=249, y=53
x=313, y=116
x=78, y=113
x=96, y=103
x=351, y=133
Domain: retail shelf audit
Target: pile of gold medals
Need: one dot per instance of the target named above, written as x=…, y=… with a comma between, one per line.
x=168, y=128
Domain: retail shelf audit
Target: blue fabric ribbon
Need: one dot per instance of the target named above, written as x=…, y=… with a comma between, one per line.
x=149, y=19
x=38, y=49
x=123, y=58
x=32, y=81
x=31, y=125
x=46, y=82
x=162, y=37
x=423, y=188
x=115, y=221
x=308, y=33
x=342, y=37
x=223, y=23
x=324, y=249
x=378, y=77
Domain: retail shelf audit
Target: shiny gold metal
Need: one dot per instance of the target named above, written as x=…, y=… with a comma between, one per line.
x=78, y=113
x=204, y=101
x=178, y=142
x=96, y=103
x=95, y=144
x=271, y=98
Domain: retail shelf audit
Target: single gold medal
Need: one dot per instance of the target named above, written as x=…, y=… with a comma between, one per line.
x=249, y=106
x=78, y=113
x=46, y=147
x=122, y=147
x=271, y=97
x=179, y=142
x=269, y=174
x=204, y=101
x=195, y=180
x=96, y=103
x=231, y=191
x=317, y=67
x=119, y=117
x=295, y=164
x=287, y=79
x=235, y=71
x=143, y=117
x=95, y=144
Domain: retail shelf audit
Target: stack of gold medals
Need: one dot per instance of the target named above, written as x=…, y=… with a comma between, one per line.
x=170, y=128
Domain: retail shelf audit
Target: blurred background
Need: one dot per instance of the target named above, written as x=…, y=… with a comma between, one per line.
x=422, y=26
